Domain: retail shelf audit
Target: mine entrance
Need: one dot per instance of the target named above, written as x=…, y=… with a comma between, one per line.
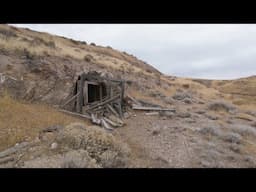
x=96, y=92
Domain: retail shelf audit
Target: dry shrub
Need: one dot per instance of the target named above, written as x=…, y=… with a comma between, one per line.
x=244, y=130
x=186, y=86
x=5, y=33
x=92, y=44
x=100, y=145
x=221, y=105
x=232, y=138
x=181, y=95
x=88, y=58
x=78, y=159
x=210, y=130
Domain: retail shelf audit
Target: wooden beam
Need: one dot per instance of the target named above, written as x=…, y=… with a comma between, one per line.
x=103, y=103
x=76, y=114
x=14, y=149
x=92, y=83
x=85, y=93
x=79, y=96
x=152, y=108
x=133, y=99
x=71, y=99
x=105, y=125
x=112, y=109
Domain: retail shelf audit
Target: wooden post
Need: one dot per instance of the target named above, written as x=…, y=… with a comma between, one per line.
x=100, y=92
x=79, y=100
x=122, y=84
x=85, y=92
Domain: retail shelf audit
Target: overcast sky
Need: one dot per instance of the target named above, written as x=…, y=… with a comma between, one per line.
x=212, y=51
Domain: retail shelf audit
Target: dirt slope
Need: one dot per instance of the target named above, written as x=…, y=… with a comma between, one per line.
x=214, y=124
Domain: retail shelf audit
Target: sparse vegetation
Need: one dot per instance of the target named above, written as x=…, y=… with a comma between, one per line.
x=5, y=34
x=210, y=130
x=221, y=105
x=244, y=130
x=232, y=137
x=106, y=149
x=181, y=95
x=88, y=58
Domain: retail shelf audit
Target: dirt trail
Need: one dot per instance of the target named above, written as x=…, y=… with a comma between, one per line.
x=161, y=143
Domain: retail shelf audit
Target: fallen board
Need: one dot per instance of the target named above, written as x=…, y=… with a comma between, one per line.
x=152, y=108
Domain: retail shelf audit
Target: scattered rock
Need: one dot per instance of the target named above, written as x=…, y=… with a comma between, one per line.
x=169, y=100
x=184, y=115
x=201, y=112
x=168, y=114
x=250, y=160
x=187, y=101
x=126, y=115
x=235, y=148
x=54, y=145
x=53, y=128
x=212, y=117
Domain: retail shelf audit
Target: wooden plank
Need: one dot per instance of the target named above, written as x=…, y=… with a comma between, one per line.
x=152, y=108
x=6, y=160
x=152, y=113
x=112, y=110
x=71, y=99
x=134, y=100
x=14, y=149
x=105, y=125
x=95, y=120
x=103, y=103
x=79, y=97
x=92, y=83
x=85, y=93
x=120, y=108
x=76, y=114
x=100, y=93
x=111, y=122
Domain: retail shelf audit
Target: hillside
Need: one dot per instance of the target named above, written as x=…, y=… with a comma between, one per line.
x=214, y=123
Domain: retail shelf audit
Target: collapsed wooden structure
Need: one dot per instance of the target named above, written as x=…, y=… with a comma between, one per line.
x=96, y=97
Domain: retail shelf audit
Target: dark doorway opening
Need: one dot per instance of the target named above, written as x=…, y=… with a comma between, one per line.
x=93, y=93
x=96, y=92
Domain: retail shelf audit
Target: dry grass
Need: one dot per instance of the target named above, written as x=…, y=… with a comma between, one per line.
x=244, y=116
x=20, y=121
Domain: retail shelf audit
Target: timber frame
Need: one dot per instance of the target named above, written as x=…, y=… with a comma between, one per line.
x=93, y=93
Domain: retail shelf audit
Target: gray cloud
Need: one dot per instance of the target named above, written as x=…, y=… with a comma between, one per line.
x=222, y=51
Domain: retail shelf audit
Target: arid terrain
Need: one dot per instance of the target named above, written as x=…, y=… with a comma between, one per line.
x=213, y=125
